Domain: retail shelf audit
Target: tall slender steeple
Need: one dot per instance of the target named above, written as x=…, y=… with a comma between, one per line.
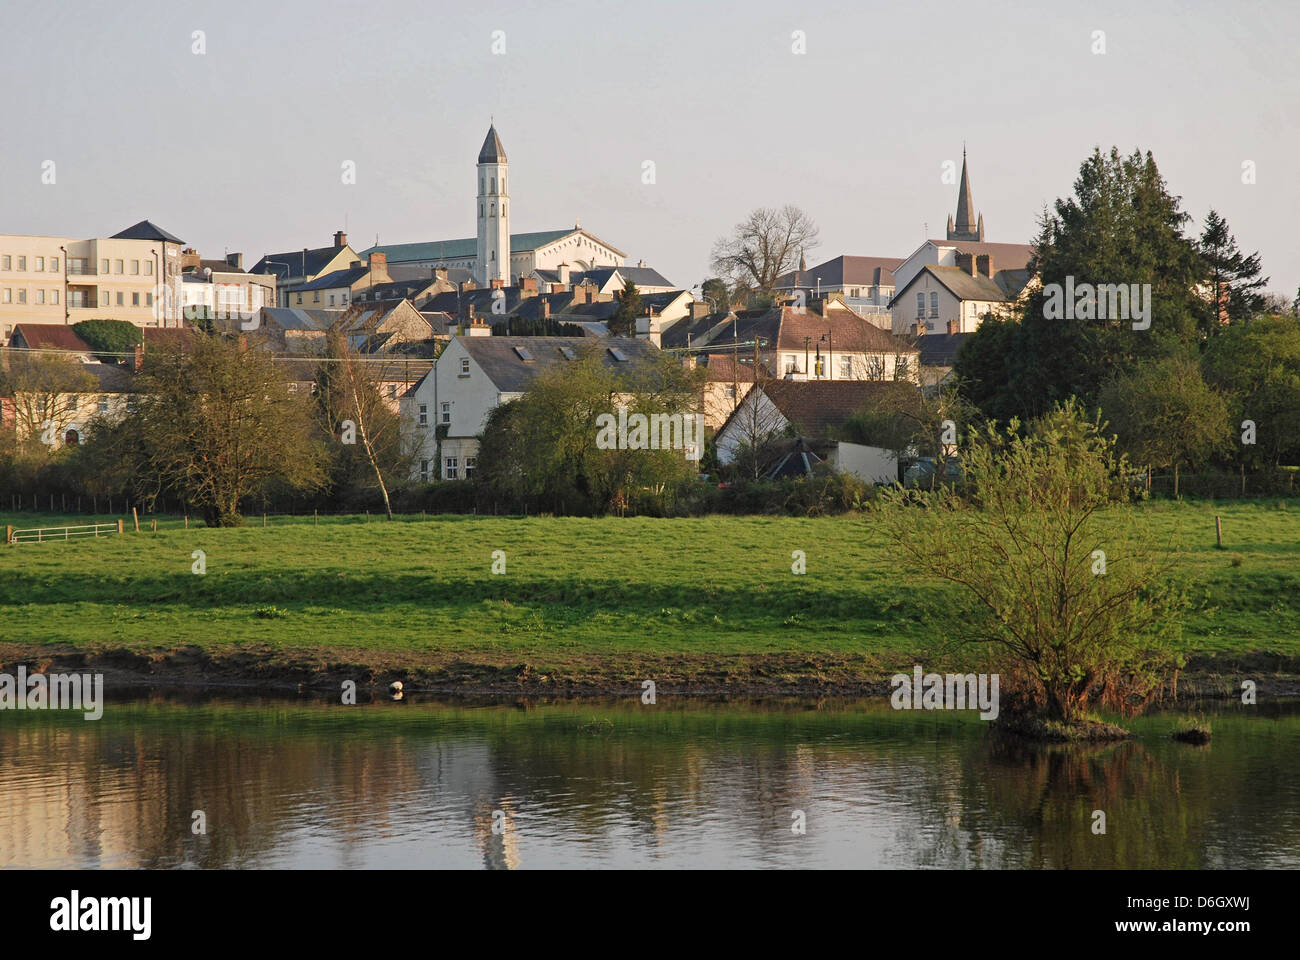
x=966, y=227
x=493, y=261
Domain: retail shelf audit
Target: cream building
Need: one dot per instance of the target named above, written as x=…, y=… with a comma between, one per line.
x=134, y=275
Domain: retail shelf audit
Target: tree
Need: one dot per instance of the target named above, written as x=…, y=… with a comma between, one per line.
x=1121, y=227
x=756, y=426
x=352, y=408
x=762, y=247
x=623, y=322
x=109, y=337
x=1074, y=605
x=1258, y=364
x=714, y=291
x=544, y=448
x=1166, y=415
x=1233, y=275
x=46, y=392
x=218, y=422
x=912, y=422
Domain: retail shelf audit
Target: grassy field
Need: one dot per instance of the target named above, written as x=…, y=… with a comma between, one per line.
x=709, y=600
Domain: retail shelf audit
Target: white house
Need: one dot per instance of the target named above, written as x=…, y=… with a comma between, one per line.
x=476, y=374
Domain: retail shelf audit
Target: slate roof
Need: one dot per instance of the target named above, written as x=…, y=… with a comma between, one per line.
x=817, y=408
x=337, y=278
x=844, y=271
x=848, y=333
x=511, y=374
x=641, y=276
x=111, y=377
x=296, y=318
x=940, y=349
x=300, y=263
x=440, y=321
x=493, y=151
x=146, y=230
x=718, y=367
x=1002, y=287
x=1009, y=256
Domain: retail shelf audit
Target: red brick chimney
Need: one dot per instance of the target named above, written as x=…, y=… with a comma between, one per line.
x=139, y=357
x=498, y=284
x=952, y=327
x=528, y=284
x=340, y=239
x=966, y=262
x=379, y=268
x=546, y=309
x=984, y=263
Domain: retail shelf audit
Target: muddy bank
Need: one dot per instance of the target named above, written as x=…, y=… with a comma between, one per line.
x=680, y=675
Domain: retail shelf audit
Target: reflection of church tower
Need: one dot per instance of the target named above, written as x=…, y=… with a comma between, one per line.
x=965, y=211
x=493, y=214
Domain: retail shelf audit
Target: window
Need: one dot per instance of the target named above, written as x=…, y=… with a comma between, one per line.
x=315, y=296
x=846, y=368
x=6, y=263
x=103, y=404
x=300, y=298
x=791, y=363
x=148, y=299
x=117, y=266
x=446, y=412
x=72, y=401
x=54, y=296
x=40, y=296
x=22, y=264
x=7, y=297
x=103, y=266
x=424, y=416
x=331, y=299
x=148, y=268
x=470, y=463
x=450, y=472
x=135, y=268
x=920, y=305
x=729, y=391
x=464, y=366
x=78, y=265
x=120, y=298
x=22, y=296
x=54, y=264
x=392, y=391
x=130, y=404
x=424, y=471
x=40, y=264
x=934, y=303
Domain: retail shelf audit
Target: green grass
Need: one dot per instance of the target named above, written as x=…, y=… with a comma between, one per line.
x=577, y=591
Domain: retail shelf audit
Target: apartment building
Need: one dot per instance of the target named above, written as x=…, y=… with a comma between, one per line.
x=133, y=275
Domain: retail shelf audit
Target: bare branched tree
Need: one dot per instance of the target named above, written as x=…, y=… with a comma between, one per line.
x=765, y=245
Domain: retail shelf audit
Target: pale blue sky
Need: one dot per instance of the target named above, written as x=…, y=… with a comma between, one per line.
x=241, y=148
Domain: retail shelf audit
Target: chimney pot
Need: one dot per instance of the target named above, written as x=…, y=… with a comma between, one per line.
x=340, y=239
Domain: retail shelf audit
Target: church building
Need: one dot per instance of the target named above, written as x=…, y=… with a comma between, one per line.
x=496, y=255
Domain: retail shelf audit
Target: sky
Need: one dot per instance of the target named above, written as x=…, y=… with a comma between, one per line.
x=242, y=147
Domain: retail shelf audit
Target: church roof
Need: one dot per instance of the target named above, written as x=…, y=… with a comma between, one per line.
x=467, y=249
x=493, y=151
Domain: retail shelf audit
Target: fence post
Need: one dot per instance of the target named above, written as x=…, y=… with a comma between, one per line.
x=120, y=523
x=9, y=534
x=135, y=515
x=1218, y=531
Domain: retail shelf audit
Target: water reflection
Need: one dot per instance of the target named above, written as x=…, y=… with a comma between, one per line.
x=420, y=784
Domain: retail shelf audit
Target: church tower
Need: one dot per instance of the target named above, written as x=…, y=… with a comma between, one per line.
x=965, y=228
x=493, y=261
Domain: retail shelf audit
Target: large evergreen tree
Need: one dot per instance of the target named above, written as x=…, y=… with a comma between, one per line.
x=1232, y=271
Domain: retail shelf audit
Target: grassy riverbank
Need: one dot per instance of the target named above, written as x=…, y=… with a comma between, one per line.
x=709, y=603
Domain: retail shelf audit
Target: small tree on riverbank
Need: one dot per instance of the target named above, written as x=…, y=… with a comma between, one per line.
x=1069, y=594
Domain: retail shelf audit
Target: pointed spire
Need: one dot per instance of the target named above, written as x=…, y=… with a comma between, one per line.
x=965, y=227
x=493, y=151
x=803, y=264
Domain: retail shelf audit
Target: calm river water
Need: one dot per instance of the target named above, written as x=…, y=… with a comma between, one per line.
x=428, y=783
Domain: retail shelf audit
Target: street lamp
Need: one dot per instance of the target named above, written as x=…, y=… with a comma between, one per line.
x=830, y=353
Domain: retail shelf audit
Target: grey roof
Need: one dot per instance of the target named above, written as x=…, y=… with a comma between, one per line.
x=338, y=278
x=940, y=349
x=289, y=318
x=299, y=263
x=844, y=271
x=641, y=276
x=511, y=374
x=959, y=283
x=146, y=230
x=492, y=151
x=111, y=377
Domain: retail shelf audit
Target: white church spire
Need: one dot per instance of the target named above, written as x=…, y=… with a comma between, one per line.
x=493, y=212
